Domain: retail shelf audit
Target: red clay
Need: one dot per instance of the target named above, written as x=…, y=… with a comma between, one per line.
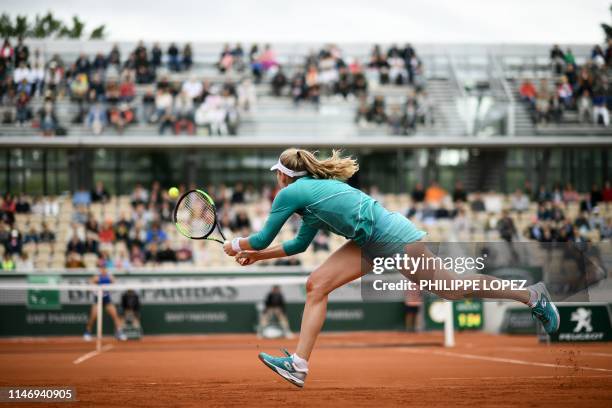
x=356, y=369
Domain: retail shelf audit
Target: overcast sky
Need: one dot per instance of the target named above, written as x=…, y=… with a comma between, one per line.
x=458, y=21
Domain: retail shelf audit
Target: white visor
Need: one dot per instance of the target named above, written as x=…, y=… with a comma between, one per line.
x=291, y=173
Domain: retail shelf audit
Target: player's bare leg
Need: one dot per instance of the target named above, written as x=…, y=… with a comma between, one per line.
x=536, y=296
x=341, y=267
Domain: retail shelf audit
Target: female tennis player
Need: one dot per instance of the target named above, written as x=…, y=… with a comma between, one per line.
x=316, y=190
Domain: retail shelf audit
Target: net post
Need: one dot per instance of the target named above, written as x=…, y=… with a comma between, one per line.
x=449, y=325
x=99, y=321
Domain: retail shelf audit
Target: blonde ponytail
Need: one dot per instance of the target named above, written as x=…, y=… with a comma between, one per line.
x=334, y=167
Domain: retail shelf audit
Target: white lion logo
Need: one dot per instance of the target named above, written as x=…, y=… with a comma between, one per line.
x=582, y=317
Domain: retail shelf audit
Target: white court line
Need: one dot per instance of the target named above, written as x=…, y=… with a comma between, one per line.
x=578, y=352
x=91, y=354
x=528, y=377
x=506, y=360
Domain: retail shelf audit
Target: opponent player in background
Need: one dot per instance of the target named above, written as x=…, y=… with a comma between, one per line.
x=316, y=190
x=103, y=278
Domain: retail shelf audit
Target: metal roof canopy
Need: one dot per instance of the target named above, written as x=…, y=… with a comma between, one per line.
x=258, y=142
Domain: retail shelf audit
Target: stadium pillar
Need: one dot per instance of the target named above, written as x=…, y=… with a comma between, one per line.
x=401, y=179
x=80, y=169
x=117, y=172
x=45, y=171
x=8, y=170
x=605, y=171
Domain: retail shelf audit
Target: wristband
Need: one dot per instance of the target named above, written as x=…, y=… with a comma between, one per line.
x=236, y=244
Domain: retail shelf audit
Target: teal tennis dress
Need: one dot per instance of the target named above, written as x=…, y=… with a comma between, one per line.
x=334, y=206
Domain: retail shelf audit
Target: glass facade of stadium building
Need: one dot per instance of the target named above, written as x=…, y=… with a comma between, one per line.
x=55, y=171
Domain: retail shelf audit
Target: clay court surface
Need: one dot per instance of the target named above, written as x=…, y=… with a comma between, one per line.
x=357, y=369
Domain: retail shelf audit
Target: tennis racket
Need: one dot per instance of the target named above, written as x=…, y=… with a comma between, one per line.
x=195, y=216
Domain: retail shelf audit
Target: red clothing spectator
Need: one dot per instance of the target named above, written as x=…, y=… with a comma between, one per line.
x=607, y=192
x=528, y=90
x=107, y=233
x=127, y=91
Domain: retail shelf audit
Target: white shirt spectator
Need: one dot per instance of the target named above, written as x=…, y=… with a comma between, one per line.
x=519, y=201
x=22, y=73
x=163, y=100
x=192, y=88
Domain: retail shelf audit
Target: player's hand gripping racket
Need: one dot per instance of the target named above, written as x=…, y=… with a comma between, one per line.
x=195, y=216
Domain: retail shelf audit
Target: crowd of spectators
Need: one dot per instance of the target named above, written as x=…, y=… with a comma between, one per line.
x=401, y=118
x=102, y=87
x=549, y=223
x=585, y=88
x=103, y=93
x=140, y=237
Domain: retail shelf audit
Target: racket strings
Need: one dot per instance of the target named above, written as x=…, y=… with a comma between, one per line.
x=195, y=215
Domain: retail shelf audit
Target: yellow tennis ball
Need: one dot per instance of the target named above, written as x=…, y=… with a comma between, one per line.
x=173, y=192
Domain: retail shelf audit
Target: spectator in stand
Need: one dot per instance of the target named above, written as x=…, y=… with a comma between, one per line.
x=81, y=197
x=192, y=87
x=75, y=245
x=418, y=194
x=505, y=226
x=528, y=92
x=23, y=110
x=7, y=262
x=114, y=56
x=100, y=193
x=570, y=195
x=279, y=81
x=600, y=110
x=174, y=63
x=46, y=235
x=585, y=107
x=24, y=263
x=163, y=102
x=519, y=201
x=92, y=244
x=155, y=234
x=127, y=89
x=121, y=116
x=435, y=194
x=31, y=236
x=459, y=193
x=184, y=114
x=606, y=194
x=14, y=243
x=268, y=58
x=565, y=93
x=542, y=105
x=22, y=205
x=97, y=118
x=47, y=119
x=187, y=57
x=107, y=232
x=156, y=56
x=255, y=63
x=247, y=96
x=557, y=59
x=167, y=120
x=226, y=59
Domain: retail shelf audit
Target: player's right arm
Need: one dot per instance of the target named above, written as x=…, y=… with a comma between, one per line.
x=285, y=204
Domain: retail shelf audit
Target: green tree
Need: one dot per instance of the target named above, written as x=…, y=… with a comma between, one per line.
x=6, y=26
x=22, y=27
x=75, y=32
x=46, y=26
x=98, y=33
x=607, y=28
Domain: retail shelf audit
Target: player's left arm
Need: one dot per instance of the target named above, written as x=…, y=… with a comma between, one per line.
x=297, y=245
x=284, y=205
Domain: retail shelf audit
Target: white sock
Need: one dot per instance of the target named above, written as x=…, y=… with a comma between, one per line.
x=299, y=362
x=533, y=298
